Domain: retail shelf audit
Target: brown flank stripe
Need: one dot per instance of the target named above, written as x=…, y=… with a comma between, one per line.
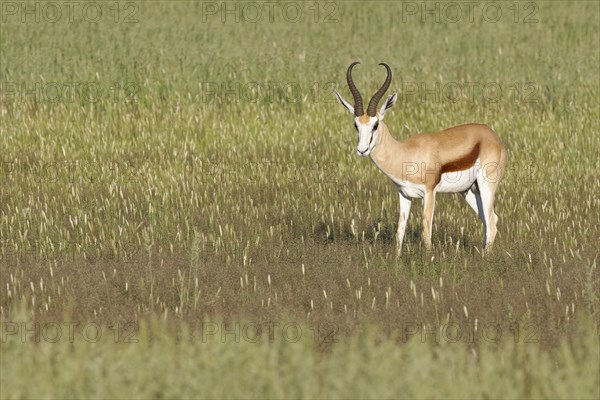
x=463, y=163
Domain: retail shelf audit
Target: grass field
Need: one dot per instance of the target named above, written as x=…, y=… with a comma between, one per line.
x=183, y=213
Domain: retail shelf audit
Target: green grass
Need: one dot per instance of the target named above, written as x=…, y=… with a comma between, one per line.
x=370, y=365
x=162, y=200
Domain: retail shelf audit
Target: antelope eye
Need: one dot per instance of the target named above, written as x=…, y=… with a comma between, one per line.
x=356, y=126
x=375, y=126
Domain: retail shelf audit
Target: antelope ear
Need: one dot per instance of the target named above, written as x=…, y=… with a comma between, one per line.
x=344, y=102
x=388, y=104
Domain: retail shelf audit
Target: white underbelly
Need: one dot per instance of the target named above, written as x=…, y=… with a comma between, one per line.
x=458, y=181
x=450, y=182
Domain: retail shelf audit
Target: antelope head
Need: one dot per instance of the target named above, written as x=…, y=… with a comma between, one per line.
x=367, y=124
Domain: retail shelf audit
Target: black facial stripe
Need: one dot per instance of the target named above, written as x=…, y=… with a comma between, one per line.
x=355, y=125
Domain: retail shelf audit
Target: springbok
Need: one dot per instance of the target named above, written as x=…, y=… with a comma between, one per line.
x=467, y=159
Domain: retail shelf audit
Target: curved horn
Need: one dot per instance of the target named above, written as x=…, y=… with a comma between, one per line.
x=372, y=109
x=358, y=104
